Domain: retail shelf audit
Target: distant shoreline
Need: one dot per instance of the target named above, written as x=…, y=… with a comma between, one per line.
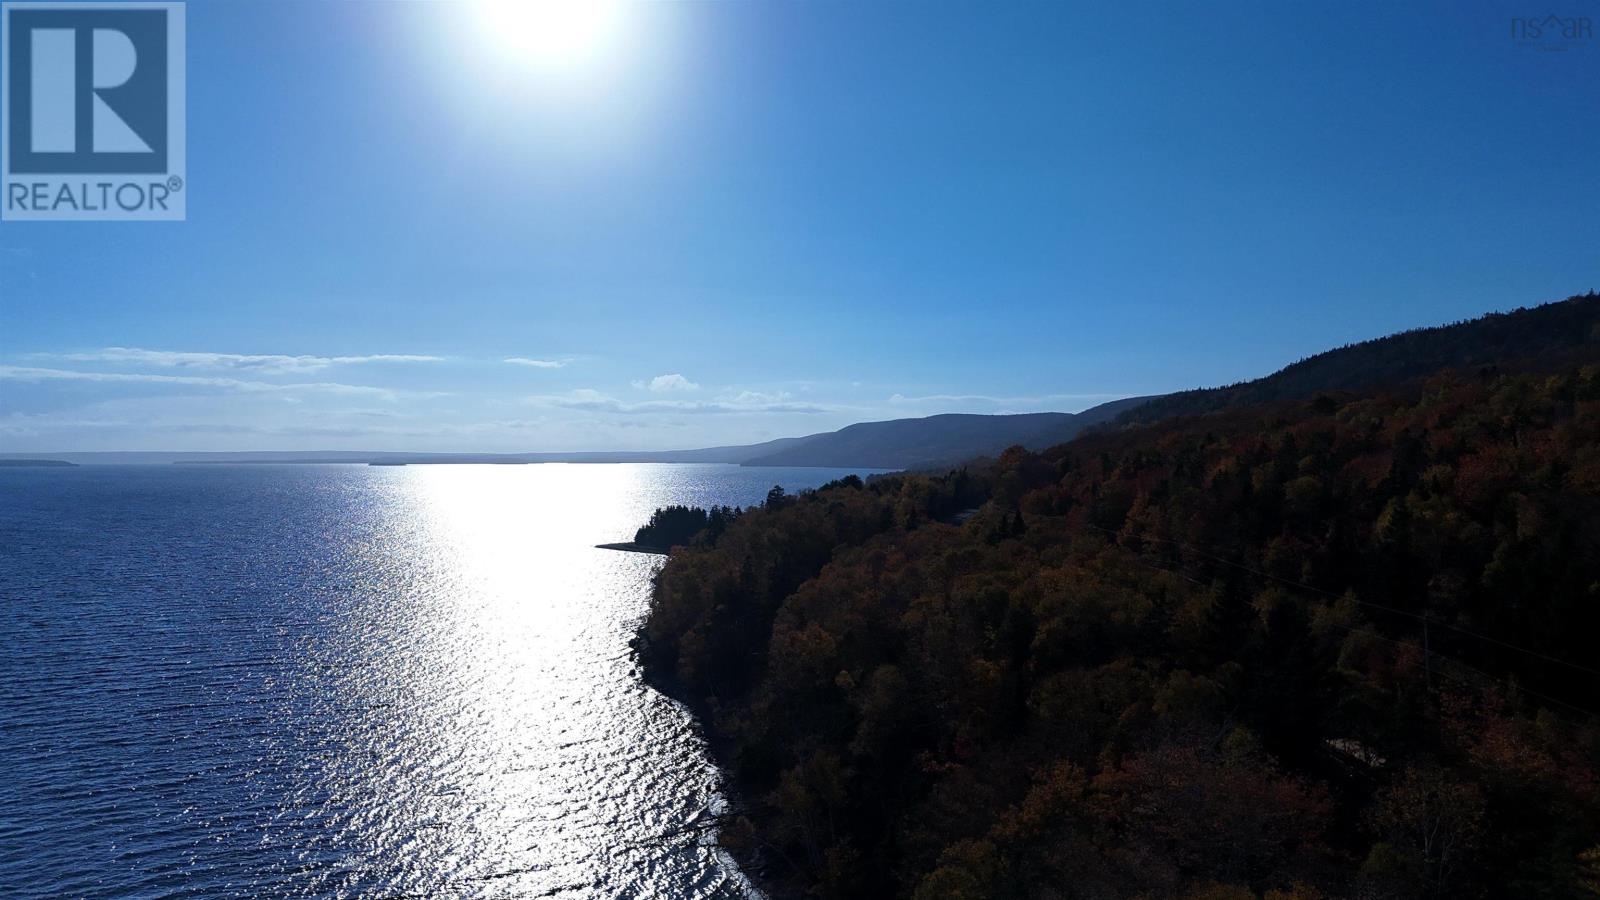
x=142, y=460
x=37, y=464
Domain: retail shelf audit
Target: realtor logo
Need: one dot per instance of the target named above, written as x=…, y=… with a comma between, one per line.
x=92, y=111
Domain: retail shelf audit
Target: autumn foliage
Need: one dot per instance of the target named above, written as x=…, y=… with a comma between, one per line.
x=1331, y=648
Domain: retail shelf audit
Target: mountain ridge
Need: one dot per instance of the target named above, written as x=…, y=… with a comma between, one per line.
x=1536, y=338
x=1533, y=338
x=888, y=444
x=944, y=439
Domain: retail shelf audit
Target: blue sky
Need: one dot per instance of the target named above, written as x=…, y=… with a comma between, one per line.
x=730, y=221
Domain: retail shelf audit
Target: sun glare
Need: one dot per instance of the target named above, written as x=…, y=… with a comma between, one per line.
x=554, y=34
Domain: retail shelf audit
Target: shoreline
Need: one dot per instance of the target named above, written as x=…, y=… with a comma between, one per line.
x=634, y=547
x=752, y=864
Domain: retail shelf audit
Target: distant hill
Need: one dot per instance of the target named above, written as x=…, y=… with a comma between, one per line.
x=1530, y=339
x=896, y=444
x=938, y=440
x=914, y=443
x=1537, y=338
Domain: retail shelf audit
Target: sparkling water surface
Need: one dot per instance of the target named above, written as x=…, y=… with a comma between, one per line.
x=346, y=681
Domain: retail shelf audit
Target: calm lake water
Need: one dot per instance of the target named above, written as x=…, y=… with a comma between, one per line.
x=338, y=681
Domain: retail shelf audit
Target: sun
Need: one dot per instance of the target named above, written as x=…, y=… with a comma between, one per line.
x=553, y=34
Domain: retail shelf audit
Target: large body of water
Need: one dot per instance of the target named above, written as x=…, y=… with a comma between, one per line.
x=341, y=681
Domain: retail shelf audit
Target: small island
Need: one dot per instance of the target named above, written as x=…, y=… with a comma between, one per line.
x=680, y=526
x=37, y=464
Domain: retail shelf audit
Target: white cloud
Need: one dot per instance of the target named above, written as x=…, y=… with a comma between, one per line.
x=755, y=397
x=27, y=374
x=664, y=383
x=588, y=400
x=190, y=420
x=264, y=364
x=537, y=363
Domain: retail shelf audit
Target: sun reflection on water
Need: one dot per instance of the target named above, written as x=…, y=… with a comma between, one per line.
x=504, y=744
x=337, y=681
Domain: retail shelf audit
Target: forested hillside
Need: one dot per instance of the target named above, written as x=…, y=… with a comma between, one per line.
x=1338, y=647
x=1543, y=337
